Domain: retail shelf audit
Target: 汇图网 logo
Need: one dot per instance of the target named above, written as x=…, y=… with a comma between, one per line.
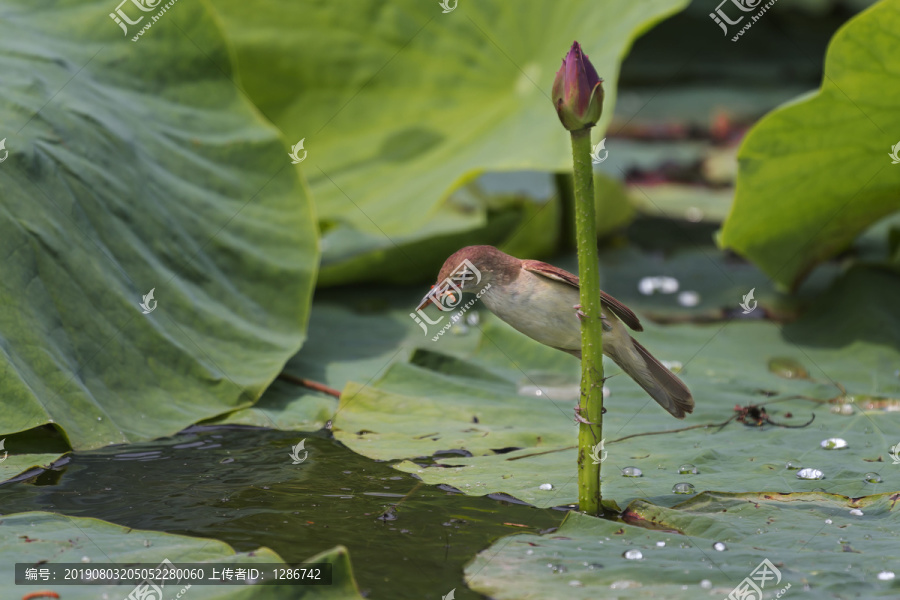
x=447, y=296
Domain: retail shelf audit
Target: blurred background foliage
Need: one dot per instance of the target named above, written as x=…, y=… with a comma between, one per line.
x=429, y=153
x=164, y=165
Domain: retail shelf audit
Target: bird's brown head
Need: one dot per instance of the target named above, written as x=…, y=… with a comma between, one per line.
x=469, y=269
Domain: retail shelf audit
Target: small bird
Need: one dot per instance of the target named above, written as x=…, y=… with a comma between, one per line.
x=542, y=301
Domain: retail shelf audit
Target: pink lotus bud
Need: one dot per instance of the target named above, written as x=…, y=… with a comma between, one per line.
x=577, y=91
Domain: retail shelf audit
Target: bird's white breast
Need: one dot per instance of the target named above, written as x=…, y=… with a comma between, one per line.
x=541, y=308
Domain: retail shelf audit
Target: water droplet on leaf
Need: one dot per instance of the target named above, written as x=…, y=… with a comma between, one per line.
x=788, y=368
x=557, y=568
x=689, y=298
x=683, y=488
x=632, y=472
x=673, y=365
x=810, y=474
x=834, y=444
x=687, y=469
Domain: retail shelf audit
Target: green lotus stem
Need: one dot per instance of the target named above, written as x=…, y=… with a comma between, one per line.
x=578, y=98
x=591, y=403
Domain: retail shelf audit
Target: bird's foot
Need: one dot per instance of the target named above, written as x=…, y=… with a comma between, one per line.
x=580, y=419
x=578, y=312
x=581, y=316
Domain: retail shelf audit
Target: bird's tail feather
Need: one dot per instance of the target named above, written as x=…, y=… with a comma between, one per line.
x=657, y=380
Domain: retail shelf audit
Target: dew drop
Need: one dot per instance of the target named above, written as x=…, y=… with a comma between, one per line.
x=546, y=486
x=625, y=584
x=810, y=474
x=834, y=444
x=828, y=521
x=557, y=568
x=792, y=465
x=667, y=285
x=873, y=478
x=632, y=472
x=706, y=584
x=683, y=488
x=472, y=319
x=720, y=547
x=576, y=583
x=689, y=298
x=788, y=368
x=633, y=554
x=856, y=512
x=673, y=365
x=693, y=214
x=660, y=544
x=886, y=575
x=85, y=559
x=687, y=469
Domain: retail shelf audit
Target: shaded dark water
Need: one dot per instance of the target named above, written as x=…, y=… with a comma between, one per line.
x=239, y=485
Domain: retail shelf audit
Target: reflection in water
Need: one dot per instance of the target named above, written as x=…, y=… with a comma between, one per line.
x=239, y=485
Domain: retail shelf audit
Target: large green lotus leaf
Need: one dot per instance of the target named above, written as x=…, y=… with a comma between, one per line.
x=518, y=212
x=356, y=337
x=486, y=404
x=42, y=537
x=585, y=557
x=348, y=339
x=140, y=166
x=399, y=104
x=816, y=173
x=33, y=449
x=523, y=213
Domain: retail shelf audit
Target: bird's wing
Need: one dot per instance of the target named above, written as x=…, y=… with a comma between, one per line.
x=550, y=272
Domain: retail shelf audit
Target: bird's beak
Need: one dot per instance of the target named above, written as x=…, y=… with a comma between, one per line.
x=429, y=298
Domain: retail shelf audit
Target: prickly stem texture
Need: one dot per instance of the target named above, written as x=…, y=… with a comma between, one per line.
x=591, y=402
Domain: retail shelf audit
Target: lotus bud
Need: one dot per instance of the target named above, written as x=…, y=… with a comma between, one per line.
x=577, y=91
